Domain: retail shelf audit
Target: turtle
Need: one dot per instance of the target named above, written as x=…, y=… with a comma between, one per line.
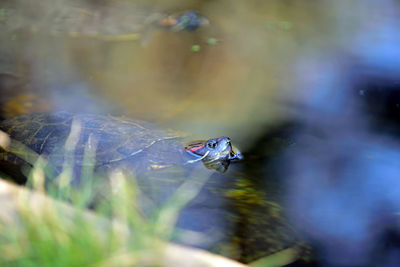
x=159, y=160
x=119, y=139
x=112, y=21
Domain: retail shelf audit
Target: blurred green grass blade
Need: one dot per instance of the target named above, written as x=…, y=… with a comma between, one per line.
x=168, y=215
x=281, y=258
x=31, y=157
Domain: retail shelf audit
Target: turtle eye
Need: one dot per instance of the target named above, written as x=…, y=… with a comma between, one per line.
x=212, y=144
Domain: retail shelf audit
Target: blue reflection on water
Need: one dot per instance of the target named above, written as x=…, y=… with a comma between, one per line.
x=340, y=188
x=343, y=179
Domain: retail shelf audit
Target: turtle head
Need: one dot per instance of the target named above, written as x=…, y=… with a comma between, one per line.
x=216, y=153
x=186, y=21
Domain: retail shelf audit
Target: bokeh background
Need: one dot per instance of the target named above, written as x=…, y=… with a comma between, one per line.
x=309, y=89
x=235, y=84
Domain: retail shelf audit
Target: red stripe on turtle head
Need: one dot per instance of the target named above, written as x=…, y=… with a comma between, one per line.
x=193, y=149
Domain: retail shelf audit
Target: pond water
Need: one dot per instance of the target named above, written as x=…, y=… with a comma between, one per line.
x=309, y=91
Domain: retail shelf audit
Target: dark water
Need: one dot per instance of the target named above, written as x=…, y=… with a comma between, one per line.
x=308, y=91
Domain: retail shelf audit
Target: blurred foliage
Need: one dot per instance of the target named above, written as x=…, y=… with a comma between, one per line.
x=57, y=234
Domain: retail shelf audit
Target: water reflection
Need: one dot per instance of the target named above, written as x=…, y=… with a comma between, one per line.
x=342, y=187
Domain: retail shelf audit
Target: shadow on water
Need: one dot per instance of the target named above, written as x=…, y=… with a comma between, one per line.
x=261, y=227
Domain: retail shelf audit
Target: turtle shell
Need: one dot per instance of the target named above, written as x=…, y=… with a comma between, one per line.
x=116, y=140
